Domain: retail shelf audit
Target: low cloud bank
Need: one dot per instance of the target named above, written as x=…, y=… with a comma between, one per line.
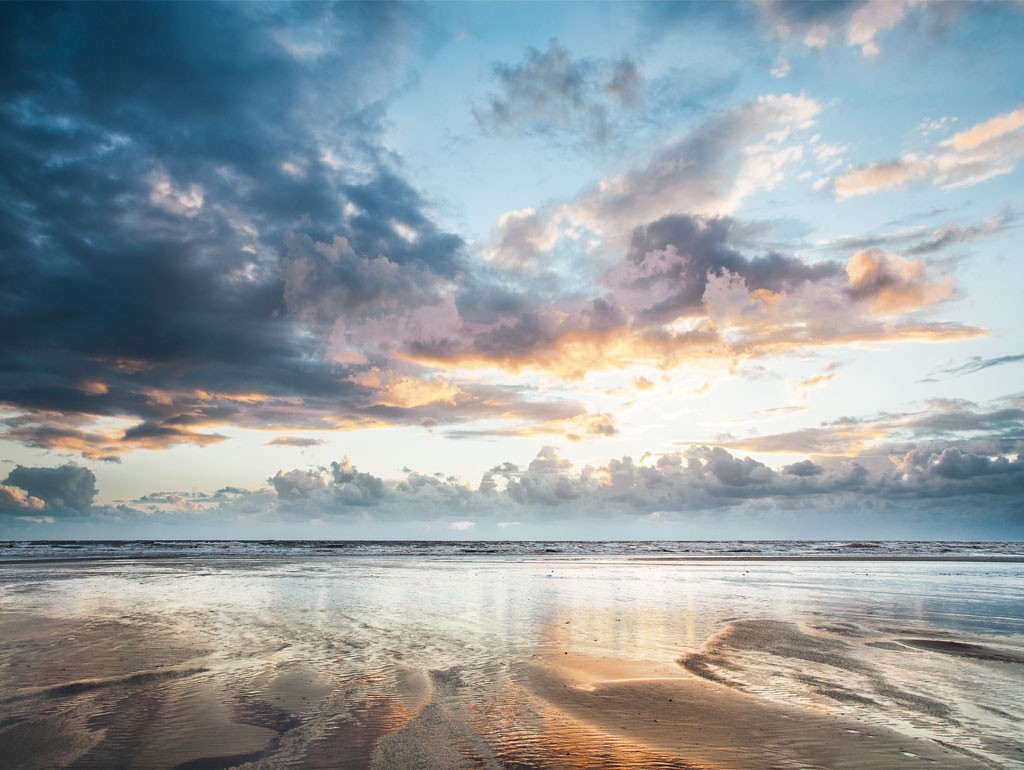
x=922, y=486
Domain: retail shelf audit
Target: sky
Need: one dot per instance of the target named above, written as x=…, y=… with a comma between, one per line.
x=512, y=271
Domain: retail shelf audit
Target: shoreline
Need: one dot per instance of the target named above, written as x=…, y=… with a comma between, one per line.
x=509, y=557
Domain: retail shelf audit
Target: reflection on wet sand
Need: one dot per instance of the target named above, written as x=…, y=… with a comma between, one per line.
x=713, y=726
x=508, y=664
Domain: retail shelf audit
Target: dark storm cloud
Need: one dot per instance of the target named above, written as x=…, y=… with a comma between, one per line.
x=189, y=191
x=384, y=204
x=325, y=282
x=68, y=487
x=551, y=91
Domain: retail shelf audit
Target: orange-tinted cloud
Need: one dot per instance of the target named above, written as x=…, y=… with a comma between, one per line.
x=295, y=441
x=991, y=148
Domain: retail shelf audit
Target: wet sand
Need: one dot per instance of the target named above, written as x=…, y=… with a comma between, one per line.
x=712, y=726
x=518, y=665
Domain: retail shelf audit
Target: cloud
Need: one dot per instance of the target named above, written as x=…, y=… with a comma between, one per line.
x=636, y=309
x=709, y=171
x=920, y=484
x=339, y=485
x=724, y=160
x=137, y=255
x=552, y=92
x=677, y=484
x=14, y=499
x=159, y=284
x=175, y=200
x=159, y=436
x=296, y=485
x=894, y=284
x=922, y=241
x=240, y=248
x=670, y=261
x=65, y=488
x=295, y=441
x=804, y=468
x=351, y=487
x=951, y=463
x=327, y=282
x=781, y=68
x=997, y=429
x=977, y=364
x=626, y=82
x=872, y=18
x=815, y=24
x=988, y=149
x=523, y=237
x=582, y=427
x=683, y=290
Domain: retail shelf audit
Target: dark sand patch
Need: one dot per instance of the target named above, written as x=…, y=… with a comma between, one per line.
x=893, y=646
x=704, y=665
x=260, y=713
x=70, y=689
x=915, y=631
x=45, y=741
x=965, y=650
x=224, y=762
x=788, y=640
x=840, y=629
x=835, y=692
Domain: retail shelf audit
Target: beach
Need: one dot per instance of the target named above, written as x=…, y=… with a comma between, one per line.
x=282, y=659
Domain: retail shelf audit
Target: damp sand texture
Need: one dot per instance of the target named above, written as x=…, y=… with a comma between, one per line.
x=497, y=662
